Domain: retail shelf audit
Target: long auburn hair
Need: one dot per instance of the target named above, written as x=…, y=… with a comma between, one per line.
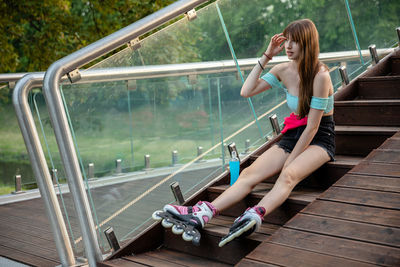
x=305, y=34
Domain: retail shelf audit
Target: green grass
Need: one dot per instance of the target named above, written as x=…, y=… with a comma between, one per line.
x=7, y=189
x=106, y=135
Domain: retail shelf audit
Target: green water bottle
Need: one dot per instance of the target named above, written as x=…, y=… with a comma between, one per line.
x=234, y=167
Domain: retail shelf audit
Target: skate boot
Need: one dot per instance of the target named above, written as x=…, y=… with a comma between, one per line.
x=186, y=220
x=245, y=224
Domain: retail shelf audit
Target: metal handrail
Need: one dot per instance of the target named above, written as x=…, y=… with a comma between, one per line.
x=170, y=70
x=40, y=167
x=59, y=119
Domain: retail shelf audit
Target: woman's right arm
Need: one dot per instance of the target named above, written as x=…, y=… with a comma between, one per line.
x=253, y=84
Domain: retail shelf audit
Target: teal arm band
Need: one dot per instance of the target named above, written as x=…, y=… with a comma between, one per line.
x=319, y=103
x=271, y=80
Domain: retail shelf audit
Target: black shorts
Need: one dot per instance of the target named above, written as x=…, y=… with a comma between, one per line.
x=325, y=137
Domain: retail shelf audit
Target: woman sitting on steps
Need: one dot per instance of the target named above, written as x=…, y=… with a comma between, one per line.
x=308, y=141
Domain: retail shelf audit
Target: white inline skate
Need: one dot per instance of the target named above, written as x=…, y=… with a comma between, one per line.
x=186, y=220
x=244, y=225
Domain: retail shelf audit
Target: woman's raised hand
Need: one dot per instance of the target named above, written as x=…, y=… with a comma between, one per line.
x=275, y=46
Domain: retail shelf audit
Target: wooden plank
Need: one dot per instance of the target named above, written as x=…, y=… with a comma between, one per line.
x=26, y=258
x=298, y=195
x=357, y=213
x=384, y=156
x=25, y=231
x=397, y=134
x=363, y=197
x=227, y=221
x=121, y=262
x=384, y=235
x=232, y=253
x=391, y=143
x=370, y=182
x=338, y=247
x=220, y=231
x=147, y=260
x=378, y=169
x=368, y=112
x=38, y=242
x=287, y=256
x=251, y=263
x=184, y=259
x=29, y=248
x=382, y=87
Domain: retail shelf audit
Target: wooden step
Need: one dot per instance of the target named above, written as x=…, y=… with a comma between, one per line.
x=361, y=140
x=162, y=257
x=382, y=87
x=330, y=172
x=368, y=112
x=212, y=234
x=298, y=199
x=395, y=65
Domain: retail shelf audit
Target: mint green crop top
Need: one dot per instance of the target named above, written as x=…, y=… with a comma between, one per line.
x=325, y=104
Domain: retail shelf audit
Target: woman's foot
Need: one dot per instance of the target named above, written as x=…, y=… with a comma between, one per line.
x=245, y=224
x=198, y=215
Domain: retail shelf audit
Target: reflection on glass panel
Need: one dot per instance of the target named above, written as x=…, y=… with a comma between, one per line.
x=252, y=23
x=184, y=41
x=376, y=22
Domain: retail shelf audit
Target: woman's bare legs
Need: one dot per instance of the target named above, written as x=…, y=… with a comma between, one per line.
x=266, y=165
x=302, y=166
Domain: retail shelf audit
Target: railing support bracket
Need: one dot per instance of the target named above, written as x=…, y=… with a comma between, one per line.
x=134, y=44
x=191, y=15
x=74, y=76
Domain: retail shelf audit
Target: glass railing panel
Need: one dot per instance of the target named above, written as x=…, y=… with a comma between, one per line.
x=155, y=118
x=14, y=158
x=251, y=24
x=375, y=23
x=52, y=155
x=184, y=41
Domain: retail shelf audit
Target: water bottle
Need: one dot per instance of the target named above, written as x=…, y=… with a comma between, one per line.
x=234, y=166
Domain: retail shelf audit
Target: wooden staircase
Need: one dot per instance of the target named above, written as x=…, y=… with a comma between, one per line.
x=367, y=112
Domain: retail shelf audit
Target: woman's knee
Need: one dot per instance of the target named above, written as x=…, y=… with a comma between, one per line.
x=288, y=177
x=248, y=177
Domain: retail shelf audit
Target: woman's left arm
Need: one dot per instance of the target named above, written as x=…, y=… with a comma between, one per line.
x=321, y=89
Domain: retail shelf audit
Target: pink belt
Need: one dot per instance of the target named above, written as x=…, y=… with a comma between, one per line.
x=293, y=121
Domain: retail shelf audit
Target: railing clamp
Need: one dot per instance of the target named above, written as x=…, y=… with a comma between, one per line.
x=231, y=148
x=11, y=85
x=343, y=74
x=131, y=85
x=398, y=34
x=176, y=191
x=74, y=76
x=275, y=124
x=191, y=15
x=192, y=78
x=374, y=54
x=134, y=44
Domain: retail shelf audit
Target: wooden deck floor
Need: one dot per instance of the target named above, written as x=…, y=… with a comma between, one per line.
x=26, y=235
x=356, y=222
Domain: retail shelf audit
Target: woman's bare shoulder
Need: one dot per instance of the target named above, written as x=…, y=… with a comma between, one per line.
x=279, y=70
x=322, y=83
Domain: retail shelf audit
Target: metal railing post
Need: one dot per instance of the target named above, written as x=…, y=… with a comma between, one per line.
x=275, y=124
x=374, y=54
x=40, y=168
x=344, y=76
x=18, y=184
